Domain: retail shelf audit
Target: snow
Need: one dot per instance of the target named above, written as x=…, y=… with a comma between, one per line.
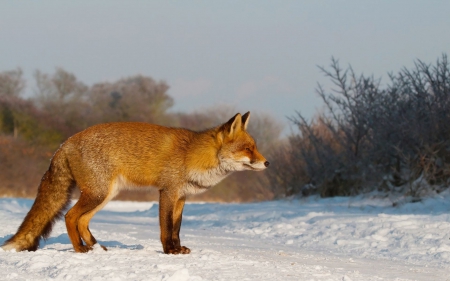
x=359, y=238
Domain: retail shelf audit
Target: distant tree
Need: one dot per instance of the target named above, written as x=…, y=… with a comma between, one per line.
x=61, y=88
x=203, y=119
x=21, y=118
x=11, y=87
x=64, y=97
x=136, y=98
x=11, y=83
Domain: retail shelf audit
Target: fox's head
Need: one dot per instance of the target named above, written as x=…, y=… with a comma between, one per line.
x=238, y=151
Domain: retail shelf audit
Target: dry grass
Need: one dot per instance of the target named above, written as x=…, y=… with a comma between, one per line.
x=21, y=167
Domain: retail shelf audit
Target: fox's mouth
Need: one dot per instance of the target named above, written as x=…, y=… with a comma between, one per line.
x=250, y=167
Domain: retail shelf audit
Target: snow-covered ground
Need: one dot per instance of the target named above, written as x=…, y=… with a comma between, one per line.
x=313, y=239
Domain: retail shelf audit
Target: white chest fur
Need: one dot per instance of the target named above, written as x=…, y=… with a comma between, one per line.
x=201, y=180
x=207, y=178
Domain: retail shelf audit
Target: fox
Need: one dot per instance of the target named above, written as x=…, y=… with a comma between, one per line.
x=106, y=158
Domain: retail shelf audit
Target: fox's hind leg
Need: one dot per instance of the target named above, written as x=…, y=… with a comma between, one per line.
x=85, y=205
x=83, y=225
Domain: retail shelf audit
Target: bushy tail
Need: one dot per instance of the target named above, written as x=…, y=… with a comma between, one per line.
x=52, y=198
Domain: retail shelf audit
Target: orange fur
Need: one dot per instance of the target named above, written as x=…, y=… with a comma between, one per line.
x=106, y=158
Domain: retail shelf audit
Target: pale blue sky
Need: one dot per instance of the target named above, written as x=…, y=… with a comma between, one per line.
x=255, y=55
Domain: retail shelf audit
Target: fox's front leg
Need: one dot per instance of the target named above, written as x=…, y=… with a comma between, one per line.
x=170, y=210
x=177, y=218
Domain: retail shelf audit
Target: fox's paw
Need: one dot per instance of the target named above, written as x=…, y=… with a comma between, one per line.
x=185, y=250
x=83, y=249
x=181, y=250
x=96, y=247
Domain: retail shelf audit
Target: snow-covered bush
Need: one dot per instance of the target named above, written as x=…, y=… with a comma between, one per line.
x=371, y=136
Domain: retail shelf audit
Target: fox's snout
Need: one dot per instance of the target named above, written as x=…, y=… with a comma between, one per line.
x=259, y=166
x=255, y=164
x=259, y=162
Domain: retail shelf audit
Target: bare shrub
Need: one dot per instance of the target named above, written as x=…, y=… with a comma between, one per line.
x=369, y=134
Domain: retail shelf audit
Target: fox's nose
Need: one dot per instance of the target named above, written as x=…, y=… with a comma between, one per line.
x=266, y=163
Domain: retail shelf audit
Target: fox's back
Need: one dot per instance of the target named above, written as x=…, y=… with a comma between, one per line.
x=137, y=151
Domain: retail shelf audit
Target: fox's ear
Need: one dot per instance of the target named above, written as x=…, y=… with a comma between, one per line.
x=245, y=119
x=233, y=125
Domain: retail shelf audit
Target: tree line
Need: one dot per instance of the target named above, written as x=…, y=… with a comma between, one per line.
x=370, y=136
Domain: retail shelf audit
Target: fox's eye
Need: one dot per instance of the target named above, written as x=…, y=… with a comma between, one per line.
x=248, y=149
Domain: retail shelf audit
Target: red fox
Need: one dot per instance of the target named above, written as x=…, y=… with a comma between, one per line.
x=106, y=158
